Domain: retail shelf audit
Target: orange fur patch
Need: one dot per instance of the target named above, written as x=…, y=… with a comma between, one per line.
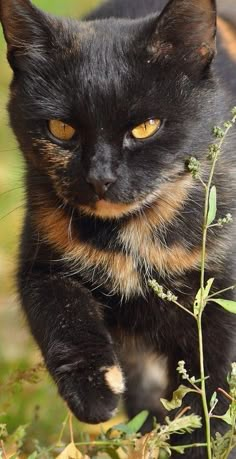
x=118, y=271
x=105, y=209
x=228, y=36
x=54, y=155
x=137, y=239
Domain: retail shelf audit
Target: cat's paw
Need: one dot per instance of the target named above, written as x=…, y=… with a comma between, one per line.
x=93, y=396
x=90, y=386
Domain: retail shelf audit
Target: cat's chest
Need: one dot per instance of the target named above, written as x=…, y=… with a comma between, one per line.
x=125, y=262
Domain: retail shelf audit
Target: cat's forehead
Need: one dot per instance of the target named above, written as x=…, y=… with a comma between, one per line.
x=99, y=71
x=101, y=61
x=104, y=41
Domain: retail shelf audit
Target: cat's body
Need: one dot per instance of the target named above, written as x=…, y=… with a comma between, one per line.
x=105, y=213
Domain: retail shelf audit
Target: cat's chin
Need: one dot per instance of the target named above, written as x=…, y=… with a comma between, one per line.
x=105, y=209
x=112, y=210
x=167, y=200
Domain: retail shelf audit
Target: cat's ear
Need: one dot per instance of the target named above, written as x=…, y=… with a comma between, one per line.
x=25, y=27
x=186, y=28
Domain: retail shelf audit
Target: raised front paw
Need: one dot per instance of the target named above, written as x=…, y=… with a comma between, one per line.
x=90, y=385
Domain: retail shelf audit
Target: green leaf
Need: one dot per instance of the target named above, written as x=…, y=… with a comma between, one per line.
x=19, y=435
x=112, y=453
x=208, y=287
x=212, y=206
x=120, y=428
x=196, y=306
x=227, y=418
x=179, y=449
x=229, y=305
x=133, y=426
x=177, y=398
x=197, y=302
x=33, y=455
x=213, y=400
x=163, y=454
x=137, y=422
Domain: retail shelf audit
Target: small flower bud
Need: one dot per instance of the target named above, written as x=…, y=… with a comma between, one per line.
x=182, y=370
x=158, y=289
x=194, y=166
x=234, y=114
x=213, y=151
x=225, y=220
x=218, y=132
x=228, y=125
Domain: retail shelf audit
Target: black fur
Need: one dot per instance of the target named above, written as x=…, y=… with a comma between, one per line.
x=105, y=76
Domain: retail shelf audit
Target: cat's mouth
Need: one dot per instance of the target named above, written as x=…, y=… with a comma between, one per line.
x=107, y=209
x=167, y=199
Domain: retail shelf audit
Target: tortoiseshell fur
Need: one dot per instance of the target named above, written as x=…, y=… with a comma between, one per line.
x=85, y=260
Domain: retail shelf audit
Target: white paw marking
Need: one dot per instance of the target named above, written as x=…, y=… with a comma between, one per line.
x=114, y=379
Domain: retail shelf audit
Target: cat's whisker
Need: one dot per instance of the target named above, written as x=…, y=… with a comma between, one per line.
x=10, y=150
x=22, y=206
x=12, y=190
x=70, y=226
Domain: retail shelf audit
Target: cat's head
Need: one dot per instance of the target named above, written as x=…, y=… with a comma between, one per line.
x=107, y=111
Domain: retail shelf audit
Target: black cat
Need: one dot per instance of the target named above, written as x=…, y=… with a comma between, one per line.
x=106, y=112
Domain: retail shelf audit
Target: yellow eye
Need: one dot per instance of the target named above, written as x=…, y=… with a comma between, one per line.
x=61, y=130
x=146, y=129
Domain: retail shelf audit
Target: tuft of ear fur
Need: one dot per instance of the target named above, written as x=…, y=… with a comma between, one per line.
x=186, y=28
x=25, y=28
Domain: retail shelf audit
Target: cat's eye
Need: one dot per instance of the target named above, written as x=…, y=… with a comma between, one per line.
x=146, y=129
x=61, y=130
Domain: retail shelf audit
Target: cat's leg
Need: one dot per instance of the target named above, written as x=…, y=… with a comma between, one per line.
x=146, y=382
x=67, y=323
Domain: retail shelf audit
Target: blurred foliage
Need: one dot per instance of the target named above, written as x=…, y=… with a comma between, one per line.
x=38, y=404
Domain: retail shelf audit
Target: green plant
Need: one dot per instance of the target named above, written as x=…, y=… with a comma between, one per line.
x=203, y=297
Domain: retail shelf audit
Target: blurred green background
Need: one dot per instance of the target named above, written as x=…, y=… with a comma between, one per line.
x=37, y=404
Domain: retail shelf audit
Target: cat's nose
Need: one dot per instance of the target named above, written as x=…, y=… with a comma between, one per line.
x=101, y=185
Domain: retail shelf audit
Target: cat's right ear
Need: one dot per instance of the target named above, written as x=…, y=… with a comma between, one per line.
x=25, y=27
x=186, y=29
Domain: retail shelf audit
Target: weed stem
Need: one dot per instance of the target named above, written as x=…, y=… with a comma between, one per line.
x=221, y=291
x=71, y=428
x=202, y=295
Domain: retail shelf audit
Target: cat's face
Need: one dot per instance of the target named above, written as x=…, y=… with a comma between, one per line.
x=107, y=111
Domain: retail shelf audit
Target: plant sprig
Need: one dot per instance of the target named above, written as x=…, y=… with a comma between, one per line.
x=203, y=296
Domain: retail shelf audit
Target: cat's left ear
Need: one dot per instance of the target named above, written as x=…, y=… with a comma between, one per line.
x=187, y=29
x=25, y=27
